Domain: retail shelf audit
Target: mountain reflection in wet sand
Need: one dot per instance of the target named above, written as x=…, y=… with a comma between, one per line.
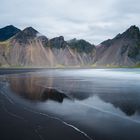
x=101, y=103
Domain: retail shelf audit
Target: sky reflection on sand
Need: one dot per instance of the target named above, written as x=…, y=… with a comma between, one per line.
x=90, y=99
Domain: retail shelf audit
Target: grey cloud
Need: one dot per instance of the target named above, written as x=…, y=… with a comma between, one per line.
x=94, y=20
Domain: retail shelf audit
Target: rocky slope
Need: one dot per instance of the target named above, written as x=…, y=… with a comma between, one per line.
x=7, y=32
x=29, y=48
x=123, y=50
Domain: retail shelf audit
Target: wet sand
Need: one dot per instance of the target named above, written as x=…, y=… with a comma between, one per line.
x=19, y=123
x=4, y=71
x=75, y=104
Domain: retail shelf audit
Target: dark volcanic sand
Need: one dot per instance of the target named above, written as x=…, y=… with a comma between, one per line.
x=16, y=71
x=69, y=104
x=19, y=123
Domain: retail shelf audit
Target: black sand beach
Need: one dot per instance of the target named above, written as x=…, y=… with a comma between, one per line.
x=69, y=104
x=19, y=123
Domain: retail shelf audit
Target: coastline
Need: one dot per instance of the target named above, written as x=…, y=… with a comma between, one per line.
x=20, y=123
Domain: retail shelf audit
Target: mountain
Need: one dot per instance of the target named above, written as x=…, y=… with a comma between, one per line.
x=68, y=55
x=81, y=45
x=30, y=48
x=122, y=50
x=27, y=35
x=57, y=42
x=7, y=32
x=24, y=49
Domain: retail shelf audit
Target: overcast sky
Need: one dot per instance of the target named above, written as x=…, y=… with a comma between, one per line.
x=93, y=20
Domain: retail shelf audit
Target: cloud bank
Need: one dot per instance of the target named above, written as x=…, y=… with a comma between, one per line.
x=93, y=20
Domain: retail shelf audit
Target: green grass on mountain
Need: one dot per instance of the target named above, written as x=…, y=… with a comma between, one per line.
x=5, y=42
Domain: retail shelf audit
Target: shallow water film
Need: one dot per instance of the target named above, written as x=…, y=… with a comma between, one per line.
x=74, y=104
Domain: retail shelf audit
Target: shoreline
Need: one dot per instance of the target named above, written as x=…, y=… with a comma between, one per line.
x=20, y=123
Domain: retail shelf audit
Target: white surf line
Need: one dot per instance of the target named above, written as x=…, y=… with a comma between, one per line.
x=108, y=112
x=11, y=114
x=72, y=126
x=40, y=136
x=65, y=123
x=77, y=130
x=12, y=102
x=19, y=117
x=3, y=92
x=7, y=97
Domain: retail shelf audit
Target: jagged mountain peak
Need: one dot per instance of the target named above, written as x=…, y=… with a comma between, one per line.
x=30, y=31
x=81, y=45
x=9, y=26
x=57, y=42
x=26, y=35
x=133, y=32
x=59, y=37
x=7, y=32
x=74, y=40
x=133, y=28
x=124, y=49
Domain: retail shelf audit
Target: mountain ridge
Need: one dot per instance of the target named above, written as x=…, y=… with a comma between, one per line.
x=7, y=32
x=122, y=50
x=28, y=47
